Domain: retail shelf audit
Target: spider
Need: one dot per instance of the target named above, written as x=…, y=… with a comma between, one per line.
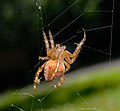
x=58, y=60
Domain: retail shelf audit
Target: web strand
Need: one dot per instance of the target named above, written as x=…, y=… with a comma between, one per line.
x=16, y=107
x=63, y=12
x=60, y=14
x=99, y=11
x=46, y=94
x=39, y=5
x=68, y=24
x=112, y=30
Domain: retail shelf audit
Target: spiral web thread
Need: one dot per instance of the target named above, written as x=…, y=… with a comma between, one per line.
x=39, y=5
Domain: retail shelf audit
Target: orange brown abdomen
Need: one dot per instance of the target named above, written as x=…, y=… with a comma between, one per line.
x=53, y=69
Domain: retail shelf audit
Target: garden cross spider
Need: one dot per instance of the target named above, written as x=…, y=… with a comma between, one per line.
x=58, y=60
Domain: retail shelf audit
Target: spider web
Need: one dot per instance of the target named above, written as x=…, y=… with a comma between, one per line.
x=37, y=100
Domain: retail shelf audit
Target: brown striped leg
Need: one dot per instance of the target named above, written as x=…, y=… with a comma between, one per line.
x=51, y=40
x=70, y=61
x=46, y=42
x=36, y=80
x=73, y=56
x=67, y=66
x=79, y=45
x=43, y=58
x=60, y=83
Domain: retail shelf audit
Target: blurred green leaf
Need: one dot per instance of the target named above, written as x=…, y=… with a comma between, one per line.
x=91, y=90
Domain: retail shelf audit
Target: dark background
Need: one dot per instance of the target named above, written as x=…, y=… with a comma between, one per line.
x=21, y=41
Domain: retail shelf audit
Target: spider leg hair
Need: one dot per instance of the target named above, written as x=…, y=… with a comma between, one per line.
x=46, y=42
x=61, y=82
x=36, y=80
x=51, y=39
x=43, y=58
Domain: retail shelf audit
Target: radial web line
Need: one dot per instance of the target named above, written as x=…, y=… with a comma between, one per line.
x=96, y=50
x=113, y=7
x=69, y=24
x=111, y=37
x=63, y=12
x=39, y=5
x=103, y=27
x=60, y=14
x=46, y=94
x=39, y=13
x=37, y=64
x=100, y=11
x=12, y=105
x=38, y=42
x=23, y=94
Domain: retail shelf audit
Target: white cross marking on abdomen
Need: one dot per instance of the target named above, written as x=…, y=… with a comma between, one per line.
x=58, y=63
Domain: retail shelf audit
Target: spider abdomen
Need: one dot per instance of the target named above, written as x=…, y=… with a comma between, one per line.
x=53, y=69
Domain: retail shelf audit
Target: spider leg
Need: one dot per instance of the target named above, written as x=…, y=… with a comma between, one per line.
x=46, y=42
x=36, y=80
x=51, y=39
x=67, y=66
x=70, y=58
x=79, y=45
x=61, y=82
x=43, y=58
x=67, y=58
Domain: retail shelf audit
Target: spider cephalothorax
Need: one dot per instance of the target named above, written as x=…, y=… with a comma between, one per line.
x=58, y=60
